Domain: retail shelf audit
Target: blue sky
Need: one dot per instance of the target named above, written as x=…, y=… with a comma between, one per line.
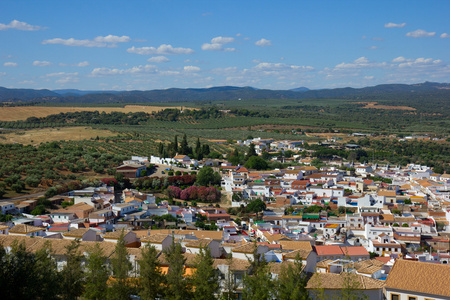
x=126, y=45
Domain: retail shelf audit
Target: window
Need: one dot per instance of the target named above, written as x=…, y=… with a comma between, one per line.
x=412, y=298
x=395, y=297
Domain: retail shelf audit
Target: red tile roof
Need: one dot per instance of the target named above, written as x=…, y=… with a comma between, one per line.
x=355, y=251
x=328, y=250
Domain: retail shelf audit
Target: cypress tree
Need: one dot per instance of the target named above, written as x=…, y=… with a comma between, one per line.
x=97, y=274
x=205, y=278
x=151, y=278
x=72, y=276
x=121, y=266
x=177, y=286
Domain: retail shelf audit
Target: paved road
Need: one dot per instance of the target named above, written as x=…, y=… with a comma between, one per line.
x=24, y=197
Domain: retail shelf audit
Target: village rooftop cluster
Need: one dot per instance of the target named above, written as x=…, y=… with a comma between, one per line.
x=387, y=224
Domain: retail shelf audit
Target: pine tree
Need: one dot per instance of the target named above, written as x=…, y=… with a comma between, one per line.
x=17, y=266
x=291, y=283
x=258, y=285
x=251, y=151
x=229, y=286
x=97, y=274
x=45, y=274
x=205, y=278
x=177, y=286
x=121, y=266
x=72, y=276
x=151, y=278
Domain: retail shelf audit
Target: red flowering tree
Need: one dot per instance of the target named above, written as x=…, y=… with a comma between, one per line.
x=174, y=191
x=109, y=181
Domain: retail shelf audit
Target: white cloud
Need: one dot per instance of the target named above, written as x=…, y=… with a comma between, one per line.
x=399, y=59
x=10, y=64
x=212, y=47
x=217, y=44
x=158, y=59
x=420, y=33
x=191, y=69
x=63, y=77
x=394, y=25
x=222, y=40
x=100, y=41
x=420, y=62
x=362, y=62
x=82, y=64
x=106, y=71
x=263, y=43
x=445, y=35
x=113, y=39
x=61, y=74
x=20, y=26
x=280, y=67
x=369, y=77
x=142, y=69
x=43, y=63
x=161, y=50
x=27, y=82
x=67, y=80
x=134, y=70
x=372, y=48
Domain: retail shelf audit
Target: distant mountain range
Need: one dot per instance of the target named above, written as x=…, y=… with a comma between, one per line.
x=221, y=93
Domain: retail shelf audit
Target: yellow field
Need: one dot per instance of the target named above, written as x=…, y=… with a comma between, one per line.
x=377, y=106
x=24, y=112
x=37, y=136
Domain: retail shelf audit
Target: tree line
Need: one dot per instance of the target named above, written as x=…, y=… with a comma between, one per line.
x=93, y=275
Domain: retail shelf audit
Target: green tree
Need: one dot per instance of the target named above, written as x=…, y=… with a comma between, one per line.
x=256, y=162
x=207, y=176
x=229, y=286
x=205, y=278
x=97, y=274
x=45, y=274
x=251, y=151
x=151, y=278
x=177, y=286
x=291, y=283
x=184, y=147
x=121, y=266
x=18, y=186
x=351, y=287
x=235, y=157
x=198, y=151
x=258, y=285
x=32, y=181
x=316, y=162
x=72, y=275
x=17, y=273
x=256, y=205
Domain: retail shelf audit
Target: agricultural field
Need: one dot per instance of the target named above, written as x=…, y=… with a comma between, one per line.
x=38, y=136
x=17, y=113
